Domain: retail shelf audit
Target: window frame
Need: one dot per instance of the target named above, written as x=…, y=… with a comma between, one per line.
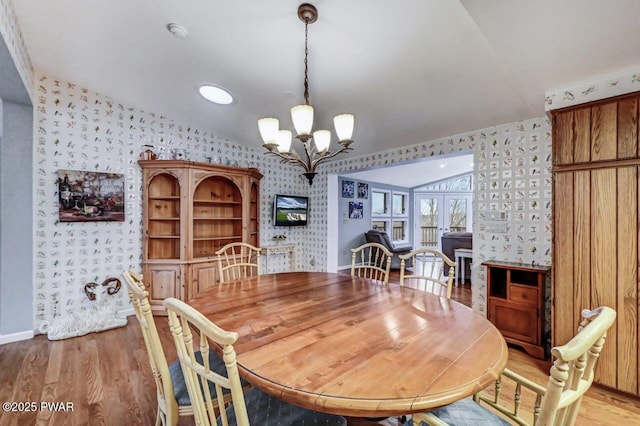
x=389, y=217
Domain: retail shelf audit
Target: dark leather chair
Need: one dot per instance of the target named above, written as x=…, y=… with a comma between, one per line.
x=455, y=240
x=380, y=237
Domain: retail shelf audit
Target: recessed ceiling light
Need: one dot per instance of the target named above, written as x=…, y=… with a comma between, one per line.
x=442, y=166
x=216, y=94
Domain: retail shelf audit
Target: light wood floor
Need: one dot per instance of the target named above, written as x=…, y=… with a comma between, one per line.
x=107, y=378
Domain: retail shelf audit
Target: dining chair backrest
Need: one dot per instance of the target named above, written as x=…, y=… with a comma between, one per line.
x=558, y=404
x=238, y=260
x=427, y=271
x=167, y=404
x=197, y=372
x=371, y=260
x=573, y=370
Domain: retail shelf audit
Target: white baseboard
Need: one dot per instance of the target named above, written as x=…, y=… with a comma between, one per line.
x=16, y=337
x=343, y=267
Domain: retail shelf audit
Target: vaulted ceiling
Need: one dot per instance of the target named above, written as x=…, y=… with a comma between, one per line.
x=410, y=70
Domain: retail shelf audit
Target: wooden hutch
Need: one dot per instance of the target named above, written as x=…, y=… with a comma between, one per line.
x=191, y=210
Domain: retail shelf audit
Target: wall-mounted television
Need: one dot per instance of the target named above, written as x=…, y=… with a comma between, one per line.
x=289, y=210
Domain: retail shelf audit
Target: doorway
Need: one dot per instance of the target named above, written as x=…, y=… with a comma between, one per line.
x=436, y=213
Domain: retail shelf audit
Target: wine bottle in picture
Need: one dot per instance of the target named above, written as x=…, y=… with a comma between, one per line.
x=65, y=193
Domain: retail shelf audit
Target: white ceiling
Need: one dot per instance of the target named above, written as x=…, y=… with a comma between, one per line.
x=410, y=70
x=410, y=174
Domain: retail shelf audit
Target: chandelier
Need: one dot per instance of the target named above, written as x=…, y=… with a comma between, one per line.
x=278, y=142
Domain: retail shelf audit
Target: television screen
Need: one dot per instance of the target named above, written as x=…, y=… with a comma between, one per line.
x=290, y=210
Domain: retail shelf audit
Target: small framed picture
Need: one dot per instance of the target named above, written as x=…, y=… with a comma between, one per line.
x=88, y=196
x=363, y=190
x=348, y=189
x=356, y=210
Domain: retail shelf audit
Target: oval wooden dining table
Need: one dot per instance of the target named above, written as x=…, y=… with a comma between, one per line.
x=350, y=346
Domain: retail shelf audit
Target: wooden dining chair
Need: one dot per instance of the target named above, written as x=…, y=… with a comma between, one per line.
x=557, y=404
x=371, y=260
x=427, y=271
x=255, y=406
x=238, y=260
x=173, y=398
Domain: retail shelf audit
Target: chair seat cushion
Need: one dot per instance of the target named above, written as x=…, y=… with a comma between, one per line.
x=265, y=410
x=180, y=387
x=467, y=412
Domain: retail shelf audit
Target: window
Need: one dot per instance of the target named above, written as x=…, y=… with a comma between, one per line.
x=399, y=203
x=389, y=211
x=462, y=183
x=379, y=202
x=400, y=230
x=380, y=225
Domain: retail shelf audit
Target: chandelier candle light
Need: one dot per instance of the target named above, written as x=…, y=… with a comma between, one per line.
x=278, y=142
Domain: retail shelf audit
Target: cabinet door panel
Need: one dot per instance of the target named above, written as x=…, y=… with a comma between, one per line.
x=582, y=249
x=203, y=276
x=604, y=132
x=604, y=273
x=162, y=281
x=563, y=258
x=628, y=128
x=515, y=320
x=627, y=303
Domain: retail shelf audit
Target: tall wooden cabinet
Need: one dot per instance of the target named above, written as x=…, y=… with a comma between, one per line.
x=191, y=210
x=596, y=172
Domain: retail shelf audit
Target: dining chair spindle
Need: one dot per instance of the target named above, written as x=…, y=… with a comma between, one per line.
x=238, y=260
x=371, y=260
x=427, y=271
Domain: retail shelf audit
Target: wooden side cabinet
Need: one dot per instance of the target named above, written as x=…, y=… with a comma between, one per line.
x=515, y=303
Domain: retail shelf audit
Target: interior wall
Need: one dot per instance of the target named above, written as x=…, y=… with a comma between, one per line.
x=79, y=129
x=512, y=171
x=16, y=202
x=351, y=230
x=513, y=176
x=16, y=207
x=12, y=39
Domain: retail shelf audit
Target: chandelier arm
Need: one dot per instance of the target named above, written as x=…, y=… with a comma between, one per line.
x=329, y=155
x=309, y=150
x=289, y=158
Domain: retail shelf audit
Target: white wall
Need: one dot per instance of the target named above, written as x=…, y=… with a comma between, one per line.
x=16, y=207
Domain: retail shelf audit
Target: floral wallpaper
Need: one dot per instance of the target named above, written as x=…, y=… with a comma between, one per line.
x=513, y=181
x=78, y=129
x=627, y=81
x=15, y=44
x=512, y=174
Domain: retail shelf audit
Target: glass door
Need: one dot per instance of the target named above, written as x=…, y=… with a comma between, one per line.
x=439, y=213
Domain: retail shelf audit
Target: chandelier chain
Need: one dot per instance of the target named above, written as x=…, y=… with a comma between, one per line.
x=306, y=62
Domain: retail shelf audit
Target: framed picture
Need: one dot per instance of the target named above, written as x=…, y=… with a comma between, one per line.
x=363, y=190
x=356, y=210
x=348, y=189
x=90, y=196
